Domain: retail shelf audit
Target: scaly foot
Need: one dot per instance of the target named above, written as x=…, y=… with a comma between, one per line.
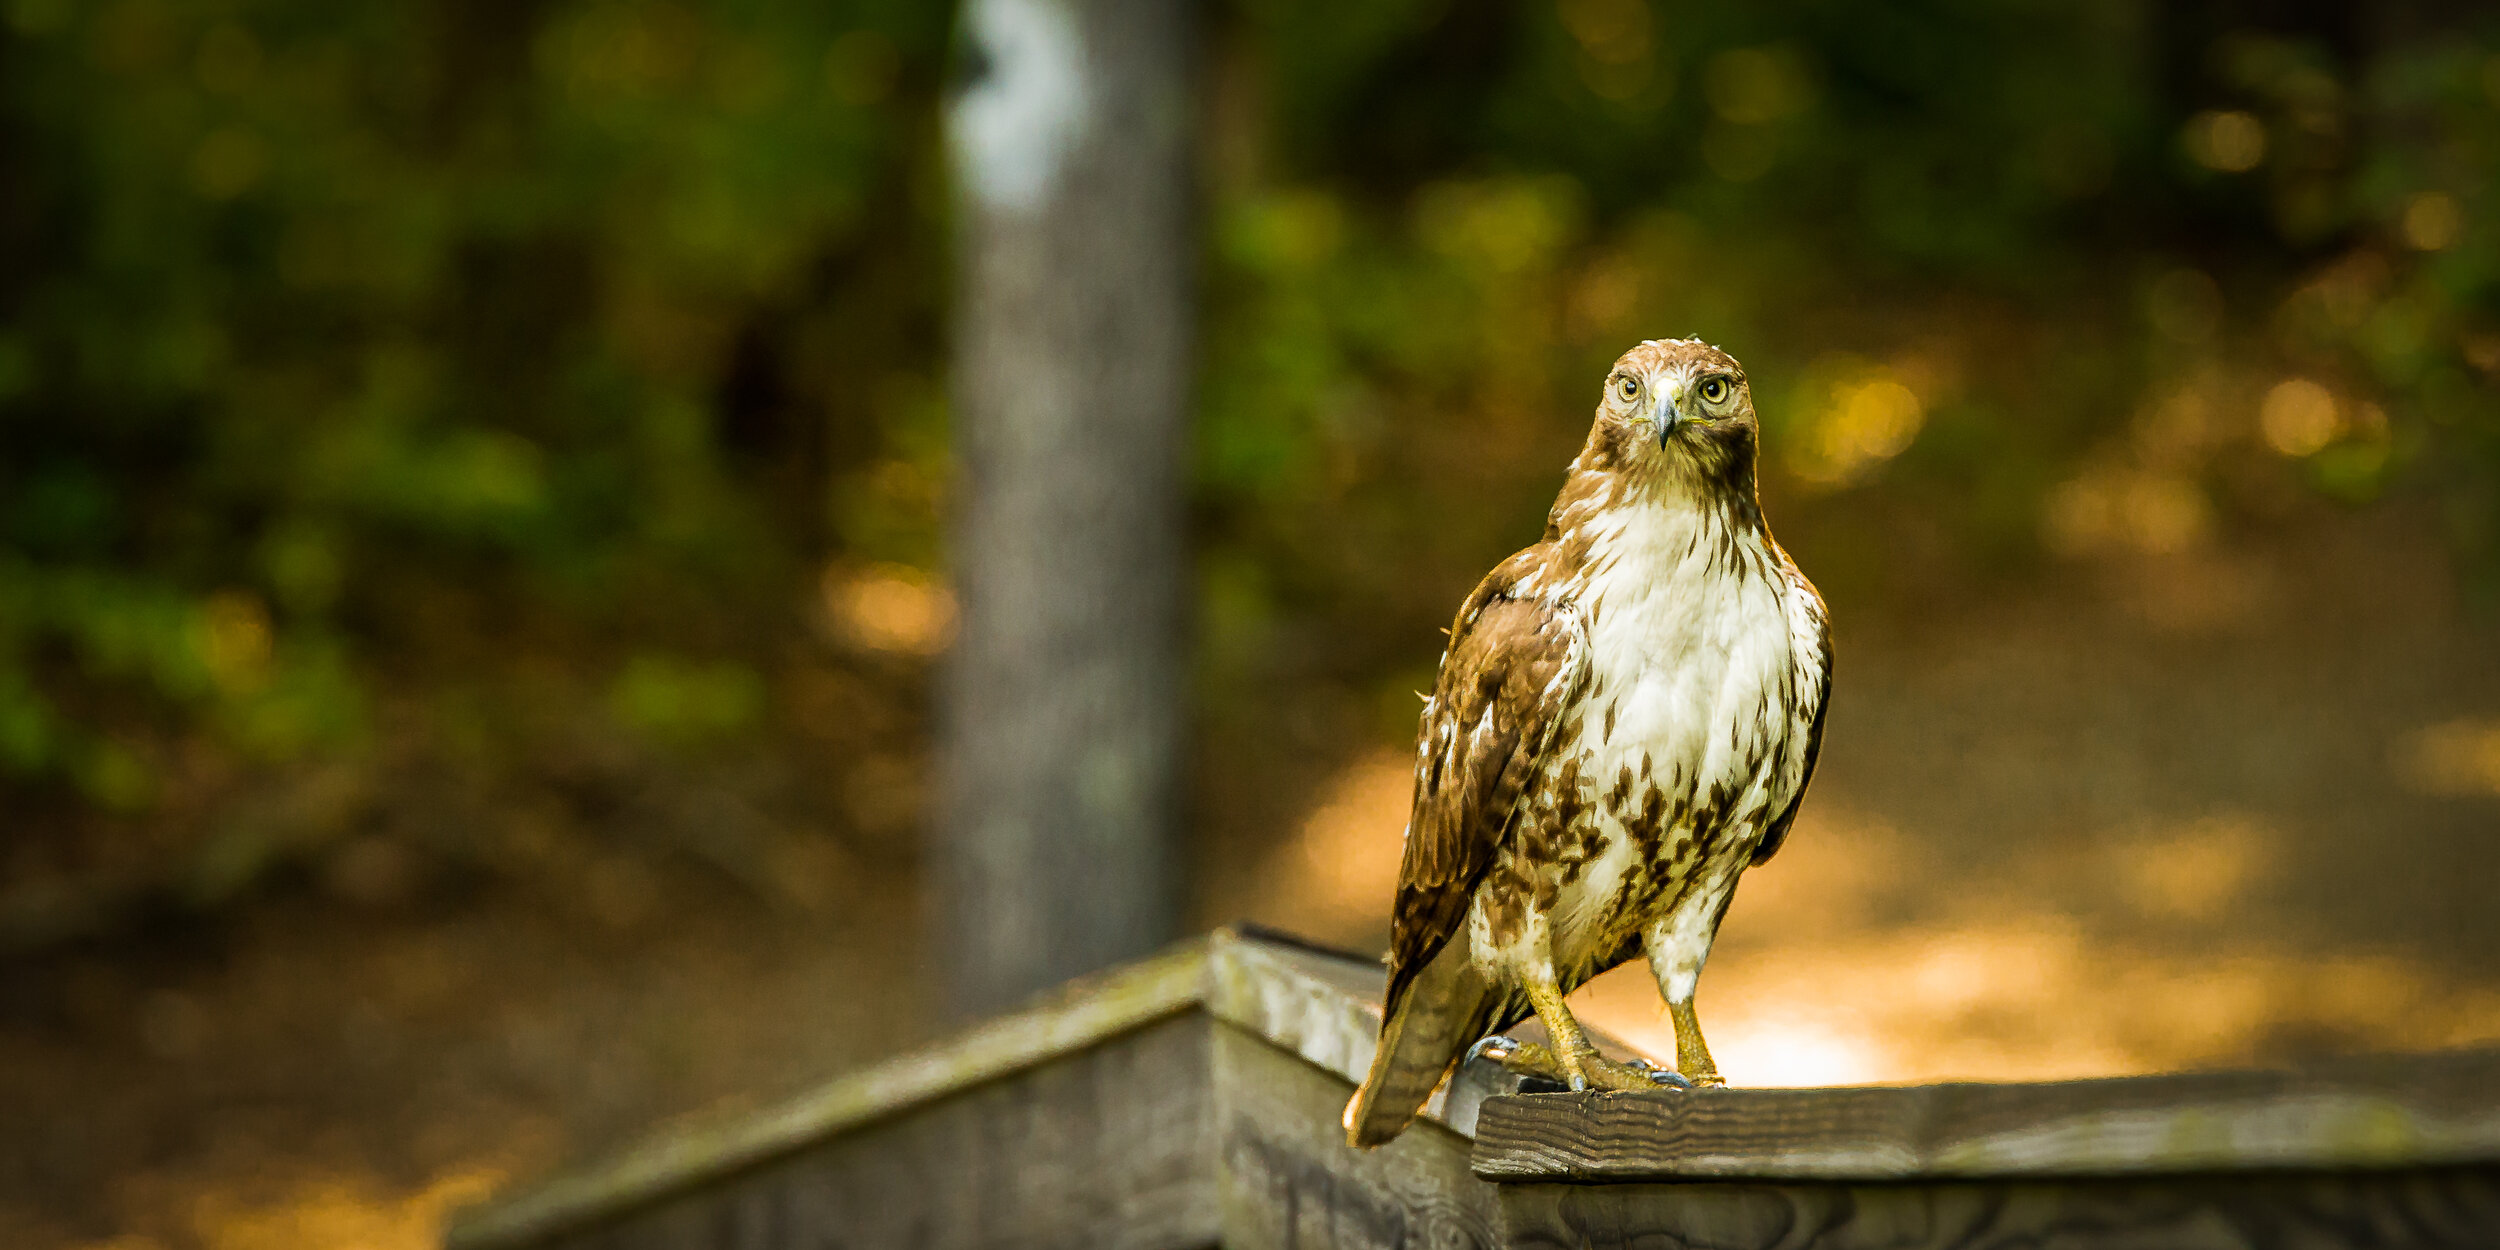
x=1692, y=1055
x=1636, y=1077
x=1541, y=1066
x=1524, y=1059
x=1660, y=1077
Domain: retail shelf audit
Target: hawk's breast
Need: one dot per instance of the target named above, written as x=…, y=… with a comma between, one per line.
x=1686, y=744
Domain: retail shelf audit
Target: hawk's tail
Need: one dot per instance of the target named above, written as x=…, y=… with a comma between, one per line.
x=1439, y=1015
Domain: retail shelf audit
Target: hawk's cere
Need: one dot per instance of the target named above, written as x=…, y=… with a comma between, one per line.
x=1625, y=720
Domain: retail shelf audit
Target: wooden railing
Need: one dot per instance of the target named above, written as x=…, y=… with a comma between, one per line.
x=1191, y=1100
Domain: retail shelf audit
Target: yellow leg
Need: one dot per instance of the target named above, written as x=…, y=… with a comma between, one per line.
x=1569, y=1057
x=1572, y=1059
x=1572, y=1050
x=1678, y=944
x=1692, y=1055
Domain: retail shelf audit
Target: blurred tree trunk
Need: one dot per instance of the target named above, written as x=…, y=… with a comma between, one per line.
x=1059, y=772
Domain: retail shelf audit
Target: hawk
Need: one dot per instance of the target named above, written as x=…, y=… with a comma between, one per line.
x=1625, y=720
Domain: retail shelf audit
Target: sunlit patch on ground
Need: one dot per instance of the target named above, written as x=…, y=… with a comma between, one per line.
x=2037, y=1002
x=2055, y=836
x=1852, y=959
x=312, y=1094
x=1334, y=876
x=341, y=1211
x=1842, y=962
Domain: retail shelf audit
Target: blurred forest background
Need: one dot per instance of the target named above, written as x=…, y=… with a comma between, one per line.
x=472, y=481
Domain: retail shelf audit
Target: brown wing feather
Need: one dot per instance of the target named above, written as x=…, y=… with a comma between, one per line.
x=1777, y=833
x=1514, y=667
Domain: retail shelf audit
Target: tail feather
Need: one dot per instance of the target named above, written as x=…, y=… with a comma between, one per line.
x=1441, y=1012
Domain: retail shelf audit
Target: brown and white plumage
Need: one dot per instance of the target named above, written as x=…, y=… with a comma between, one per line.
x=1626, y=718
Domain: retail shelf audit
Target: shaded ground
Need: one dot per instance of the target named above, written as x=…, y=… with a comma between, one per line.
x=2217, y=808
x=312, y=1076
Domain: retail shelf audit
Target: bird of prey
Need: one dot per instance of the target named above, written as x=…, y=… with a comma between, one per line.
x=1625, y=720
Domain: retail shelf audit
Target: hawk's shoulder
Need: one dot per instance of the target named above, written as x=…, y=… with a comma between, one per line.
x=1517, y=662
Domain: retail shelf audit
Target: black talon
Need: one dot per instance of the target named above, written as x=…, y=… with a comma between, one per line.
x=1667, y=1077
x=1499, y=1050
x=1496, y=1048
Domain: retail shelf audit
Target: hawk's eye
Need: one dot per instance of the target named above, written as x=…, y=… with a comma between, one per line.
x=1627, y=387
x=1714, y=390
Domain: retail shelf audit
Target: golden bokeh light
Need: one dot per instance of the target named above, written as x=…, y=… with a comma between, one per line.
x=1611, y=32
x=344, y=1211
x=235, y=641
x=2433, y=221
x=2299, y=417
x=1870, y=418
x=2180, y=428
x=1756, y=86
x=2127, y=510
x=2195, y=871
x=2227, y=140
x=1338, y=871
x=889, y=607
x=2459, y=757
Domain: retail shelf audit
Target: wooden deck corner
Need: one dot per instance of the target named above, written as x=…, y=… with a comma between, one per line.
x=1191, y=1100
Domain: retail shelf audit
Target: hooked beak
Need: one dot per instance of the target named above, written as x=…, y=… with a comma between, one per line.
x=1670, y=410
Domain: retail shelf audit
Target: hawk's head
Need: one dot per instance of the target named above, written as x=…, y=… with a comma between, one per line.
x=1676, y=411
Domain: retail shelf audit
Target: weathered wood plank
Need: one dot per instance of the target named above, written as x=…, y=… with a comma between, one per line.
x=1320, y=1006
x=1289, y=1179
x=2395, y=1111
x=1110, y=1147
x=1324, y=1007
x=2427, y=1209
x=1084, y=1014
x=1194, y=1098
x=1308, y=1002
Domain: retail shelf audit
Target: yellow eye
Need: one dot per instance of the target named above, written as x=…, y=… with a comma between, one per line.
x=1714, y=390
x=1627, y=387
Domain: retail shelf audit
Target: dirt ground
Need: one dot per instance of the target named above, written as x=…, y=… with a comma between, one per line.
x=2225, y=807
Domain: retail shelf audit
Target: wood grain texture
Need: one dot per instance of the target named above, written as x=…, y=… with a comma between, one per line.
x=2428, y=1208
x=2398, y=1111
x=1318, y=1006
x=1324, y=1006
x=1289, y=1180
x=1110, y=1148
x=1192, y=1099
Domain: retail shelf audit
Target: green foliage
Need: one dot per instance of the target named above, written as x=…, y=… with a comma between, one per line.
x=686, y=704
x=371, y=369
x=339, y=338
x=2011, y=279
